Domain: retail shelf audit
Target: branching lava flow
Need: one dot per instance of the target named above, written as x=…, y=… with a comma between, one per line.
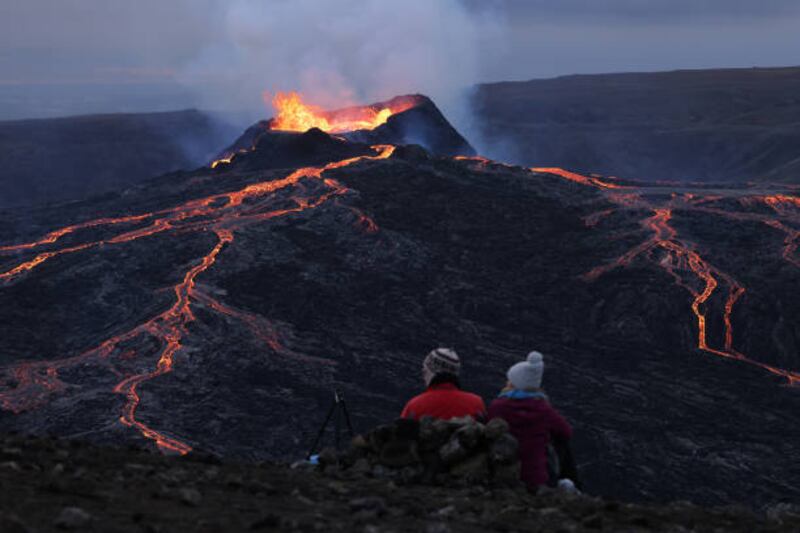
x=25, y=386
x=687, y=267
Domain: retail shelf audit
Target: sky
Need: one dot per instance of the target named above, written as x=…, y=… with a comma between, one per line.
x=60, y=57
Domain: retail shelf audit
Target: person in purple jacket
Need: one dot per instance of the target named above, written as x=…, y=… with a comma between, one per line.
x=536, y=425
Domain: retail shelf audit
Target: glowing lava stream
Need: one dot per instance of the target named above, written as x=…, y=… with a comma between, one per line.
x=790, y=243
x=35, y=381
x=53, y=236
x=786, y=207
x=679, y=256
x=170, y=326
x=578, y=178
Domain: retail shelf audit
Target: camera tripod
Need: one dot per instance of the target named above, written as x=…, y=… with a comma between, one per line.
x=338, y=411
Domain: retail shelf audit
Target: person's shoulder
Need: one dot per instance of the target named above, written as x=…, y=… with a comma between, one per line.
x=498, y=402
x=545, y=403
x=496, y=406
x=418, y=398
x=557, y=420
x=472, y=397
x=413, y=405
x=547, y=406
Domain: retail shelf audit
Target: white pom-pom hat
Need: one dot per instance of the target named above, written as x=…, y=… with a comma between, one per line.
x=527, y=375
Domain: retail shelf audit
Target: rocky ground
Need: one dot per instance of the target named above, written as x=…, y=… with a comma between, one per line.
x=56, y=485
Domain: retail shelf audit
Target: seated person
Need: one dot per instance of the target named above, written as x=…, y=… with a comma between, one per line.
x=535, y=424
x=443, y=397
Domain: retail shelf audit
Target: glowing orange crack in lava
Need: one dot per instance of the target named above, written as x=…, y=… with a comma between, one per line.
x=786, y=207
x=681, y=256
x=578, y=178
x=192, y=209
x=790, y=243
x=170, y=326
x=37, y=380
x=54, y=236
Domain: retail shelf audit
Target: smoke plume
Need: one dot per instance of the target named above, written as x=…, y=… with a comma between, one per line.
x=345, y=52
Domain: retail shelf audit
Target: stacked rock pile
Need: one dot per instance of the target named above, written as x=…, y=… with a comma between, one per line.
x=454, y=452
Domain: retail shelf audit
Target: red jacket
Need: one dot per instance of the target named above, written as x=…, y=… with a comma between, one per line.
x=445, y=401
x=532, y=421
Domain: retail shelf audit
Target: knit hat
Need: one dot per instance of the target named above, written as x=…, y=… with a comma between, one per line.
x=527, y=375
x=440, y=361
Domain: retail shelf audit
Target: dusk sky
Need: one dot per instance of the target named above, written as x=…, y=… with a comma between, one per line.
x=71, y=56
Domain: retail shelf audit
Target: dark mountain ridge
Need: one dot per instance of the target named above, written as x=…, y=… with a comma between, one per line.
x=723, y=125
x=688, y=125
x=56, y=160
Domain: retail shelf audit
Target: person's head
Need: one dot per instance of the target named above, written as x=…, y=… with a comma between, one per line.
x=527, y=375
x=441, y=364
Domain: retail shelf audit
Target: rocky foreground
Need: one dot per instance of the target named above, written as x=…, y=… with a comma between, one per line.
x=52, y=485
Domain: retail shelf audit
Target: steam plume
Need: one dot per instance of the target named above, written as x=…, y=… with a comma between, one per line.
x=345, y=52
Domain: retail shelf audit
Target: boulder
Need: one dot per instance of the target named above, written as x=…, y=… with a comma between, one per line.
x=190, y=496
x=73, y=518
x=370, y=503
x=11, y=523
x=431, y=451
x=433, y=433
x=783, y=512
x=474, y=469
x=496, y=427
x=470, y=435
x=379, y=436
x=453, y=451
x=399, y=453
x=506, y=475
x=504, y=449
x=359, y=443
x=328, y=456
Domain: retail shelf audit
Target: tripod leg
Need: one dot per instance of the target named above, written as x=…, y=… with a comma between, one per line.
x=321, y=431
x=347, y=419
x=338, y=425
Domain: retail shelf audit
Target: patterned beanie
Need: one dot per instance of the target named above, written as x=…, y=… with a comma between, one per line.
x=440, y=361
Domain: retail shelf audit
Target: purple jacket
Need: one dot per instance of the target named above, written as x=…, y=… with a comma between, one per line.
x=532, y=421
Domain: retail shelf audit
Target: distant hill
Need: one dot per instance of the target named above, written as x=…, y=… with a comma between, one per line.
x=699, y=125
x=52, y=160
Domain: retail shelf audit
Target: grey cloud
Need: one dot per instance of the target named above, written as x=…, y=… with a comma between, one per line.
x=224, y=52
x=642, y=11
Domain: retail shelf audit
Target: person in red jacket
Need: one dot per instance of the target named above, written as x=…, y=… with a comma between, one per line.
x=535, y=424
x=443, y=398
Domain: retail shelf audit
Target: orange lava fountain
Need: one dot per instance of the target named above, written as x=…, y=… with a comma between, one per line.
x=296, y=115
x=27, y=385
